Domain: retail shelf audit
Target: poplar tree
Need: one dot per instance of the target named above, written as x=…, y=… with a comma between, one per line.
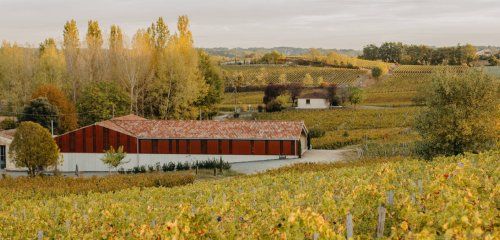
x=95, y=56
x=71, y=49
x=116, y=52
x=51, y=68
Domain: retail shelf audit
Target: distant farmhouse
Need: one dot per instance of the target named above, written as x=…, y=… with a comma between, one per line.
x=485, y=52
x=319, y=99
x=148, y=142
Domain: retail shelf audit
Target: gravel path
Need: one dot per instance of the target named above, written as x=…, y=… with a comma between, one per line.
x=310, y=156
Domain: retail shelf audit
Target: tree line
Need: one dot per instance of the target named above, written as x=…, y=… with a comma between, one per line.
x=397, y=52
x=157, y=74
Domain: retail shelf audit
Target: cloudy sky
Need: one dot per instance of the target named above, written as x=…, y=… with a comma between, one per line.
x=268, y=23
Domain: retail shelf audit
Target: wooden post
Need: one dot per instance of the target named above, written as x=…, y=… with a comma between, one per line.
x=76, y=171
x=215, y=170
x=68, y=225
x=420, y=186
x=349, y=226
x=390, y=198
x=220, y=166
x=153, y=223
x=196, y=167
x=381, y=221
x=315, y=236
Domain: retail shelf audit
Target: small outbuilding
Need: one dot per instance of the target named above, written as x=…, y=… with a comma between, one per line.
x=318, y=99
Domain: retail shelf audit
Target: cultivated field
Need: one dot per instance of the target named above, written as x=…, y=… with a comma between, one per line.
x=449, y=198
x=354, y=126
x=261, y=75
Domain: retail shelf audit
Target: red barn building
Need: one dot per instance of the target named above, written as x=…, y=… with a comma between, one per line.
x=148, y=142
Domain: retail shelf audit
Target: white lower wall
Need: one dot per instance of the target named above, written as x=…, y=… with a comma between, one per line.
x=91, y=162
x=315, y=103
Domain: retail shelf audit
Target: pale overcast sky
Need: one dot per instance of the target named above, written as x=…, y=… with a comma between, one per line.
x=268, y=23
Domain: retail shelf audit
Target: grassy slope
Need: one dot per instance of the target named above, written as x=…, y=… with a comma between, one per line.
x=457, y=199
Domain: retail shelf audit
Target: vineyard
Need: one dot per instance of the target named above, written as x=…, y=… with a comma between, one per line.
x=449, y=198
x=409, y=78
x=344, y=127
x=261, y=75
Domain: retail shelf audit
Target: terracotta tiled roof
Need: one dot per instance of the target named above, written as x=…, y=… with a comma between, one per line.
x=189, y=129
x=9, y=134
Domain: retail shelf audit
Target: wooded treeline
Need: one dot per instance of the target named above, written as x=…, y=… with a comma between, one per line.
x=157, y=74
x=397, y=52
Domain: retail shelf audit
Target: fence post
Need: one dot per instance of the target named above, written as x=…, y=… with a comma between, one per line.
x=390, y=198
x=420, y=186
x=68, y=225
x=315, y=236
x=349, y=226
x=153, y=223
x=381, y=221
x=196, y=167
x=220, y=162
x=215, y=170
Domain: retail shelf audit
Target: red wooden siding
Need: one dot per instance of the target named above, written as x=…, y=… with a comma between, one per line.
x=212, y=147
x=287, y=148
x=92, y=139
x=274, y=148
x=182, y=146
x=145, y=146
x=241, y=147
x=163, y=146
x=259, y=147
x=97, y=139
x=195, y=147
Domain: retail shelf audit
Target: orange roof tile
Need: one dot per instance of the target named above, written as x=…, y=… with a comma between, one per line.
x=190, y=129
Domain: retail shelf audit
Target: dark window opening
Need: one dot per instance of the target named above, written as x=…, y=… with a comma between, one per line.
x=204, y=146
x=3, y=157
x=252, y=148
x=219, y=146
x=106, y=139
x=230, y=146
x=72, y=142
x=308, y=101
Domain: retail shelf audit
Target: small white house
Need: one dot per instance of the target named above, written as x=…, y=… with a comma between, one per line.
x=6, y=137
x=313, y=100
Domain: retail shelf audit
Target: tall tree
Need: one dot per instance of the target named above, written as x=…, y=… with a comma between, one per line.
x=51, y=67
x=17, y=71
x=179, y=84
x=95, y=55
x=137, y=71
x=71, y=49
x=34, y=148
x=213, y=77
x=101, y=101
x=461, y=114
x=66, y=109
x=116, y=52
x=41, y=111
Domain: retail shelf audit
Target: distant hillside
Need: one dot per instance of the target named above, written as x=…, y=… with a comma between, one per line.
x=288, y=51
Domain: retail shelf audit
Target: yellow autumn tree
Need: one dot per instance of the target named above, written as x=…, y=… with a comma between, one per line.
x=34, y=148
